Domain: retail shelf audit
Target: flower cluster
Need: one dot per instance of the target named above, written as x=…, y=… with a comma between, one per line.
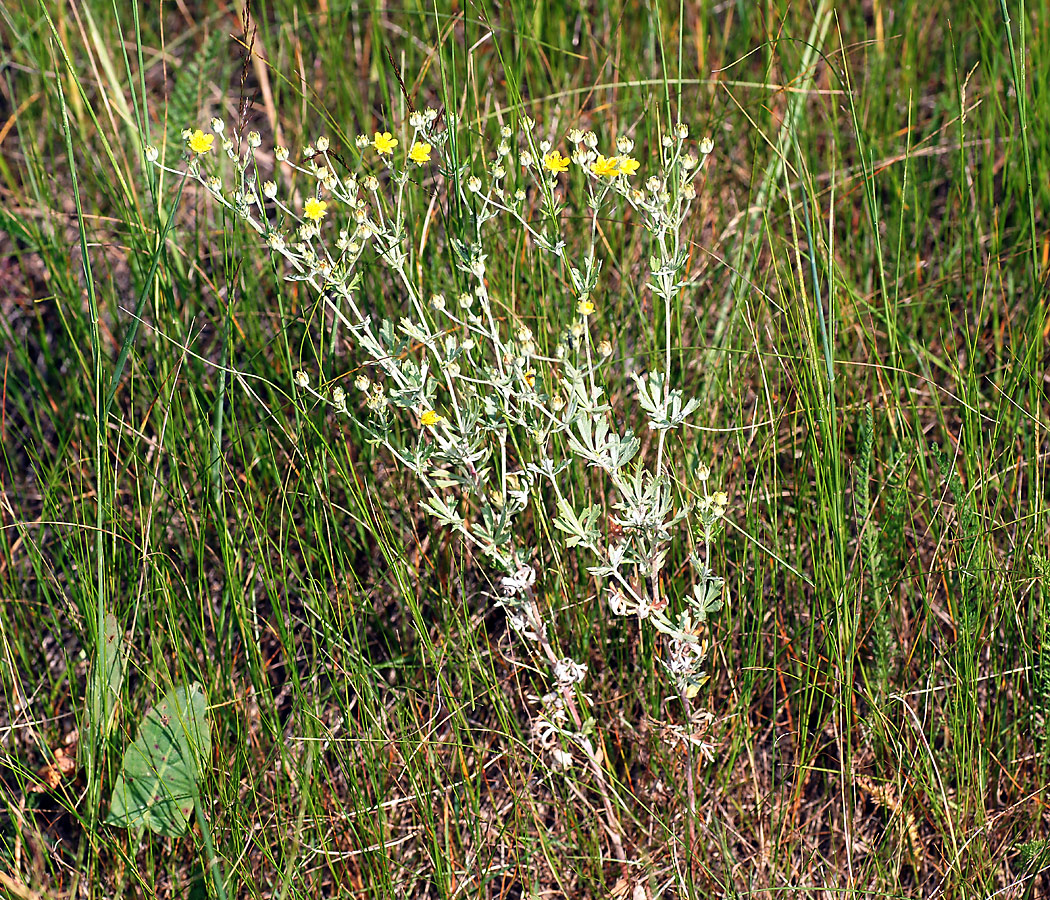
x=498, y=420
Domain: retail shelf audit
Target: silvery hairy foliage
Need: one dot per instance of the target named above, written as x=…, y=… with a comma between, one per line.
x=458, y=390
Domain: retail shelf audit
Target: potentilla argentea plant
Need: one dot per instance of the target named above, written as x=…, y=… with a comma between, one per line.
x=494, y=423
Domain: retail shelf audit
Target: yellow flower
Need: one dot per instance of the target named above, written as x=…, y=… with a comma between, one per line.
x=606, y=168
x=585, y=307
x=554, y=162
x=627, y=166
x=430, y=418
x=420, y=153
x=314, y=209
x=530, y=378
x=200, y=142
x=384, y=143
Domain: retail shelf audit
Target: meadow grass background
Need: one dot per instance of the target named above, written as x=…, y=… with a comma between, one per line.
x=866, y=324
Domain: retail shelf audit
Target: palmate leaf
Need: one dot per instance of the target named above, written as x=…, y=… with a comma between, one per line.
x=580, y=529
x=157, y=785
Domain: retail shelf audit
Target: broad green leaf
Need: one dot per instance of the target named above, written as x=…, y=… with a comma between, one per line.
x=157, y=786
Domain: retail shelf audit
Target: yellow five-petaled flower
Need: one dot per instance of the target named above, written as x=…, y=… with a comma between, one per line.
x=420, y=153
x=585, y=307
x=384, y=143
x=626, y=165
x=431, y=418
x=314, y=209
x=554, y=162
x=606, y=168
x=200, y=142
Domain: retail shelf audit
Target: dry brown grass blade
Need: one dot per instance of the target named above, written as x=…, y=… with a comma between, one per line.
x=17, y=889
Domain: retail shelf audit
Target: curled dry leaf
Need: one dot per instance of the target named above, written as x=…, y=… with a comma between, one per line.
x=63, y=766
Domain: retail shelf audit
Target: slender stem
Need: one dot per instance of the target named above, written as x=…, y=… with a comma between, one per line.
x=217, y=877
x=611, y=820
x=690, y=783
